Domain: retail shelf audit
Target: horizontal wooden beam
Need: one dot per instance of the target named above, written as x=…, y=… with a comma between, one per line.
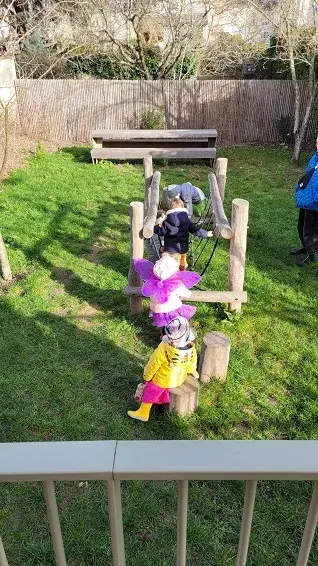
x=109, y=135
x=200, y=296
x=159, y=153
x=153, y=203
x=222, y=227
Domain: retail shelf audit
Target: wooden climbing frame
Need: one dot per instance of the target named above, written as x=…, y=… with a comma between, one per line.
x=143, y=218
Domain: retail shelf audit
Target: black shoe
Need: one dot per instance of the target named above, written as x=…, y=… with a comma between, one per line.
x=302, y=251
x=308, y=259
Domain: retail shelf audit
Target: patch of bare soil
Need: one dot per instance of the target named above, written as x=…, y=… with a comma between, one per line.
x=90, y=312
x=99, y=251
x=21, y=146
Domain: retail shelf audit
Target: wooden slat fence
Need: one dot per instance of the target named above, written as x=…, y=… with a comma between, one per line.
x=244, y=112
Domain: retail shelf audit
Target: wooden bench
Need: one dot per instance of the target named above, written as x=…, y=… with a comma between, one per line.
x=136, y=144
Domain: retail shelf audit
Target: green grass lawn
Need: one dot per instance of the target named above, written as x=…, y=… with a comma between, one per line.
x=71, y=356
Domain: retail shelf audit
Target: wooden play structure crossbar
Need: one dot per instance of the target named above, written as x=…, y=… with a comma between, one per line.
x=201, y=296
x=136, y=144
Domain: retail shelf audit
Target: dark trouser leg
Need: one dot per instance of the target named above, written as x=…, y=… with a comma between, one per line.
x=152, y=248
x=300, y=225
x=310, y=231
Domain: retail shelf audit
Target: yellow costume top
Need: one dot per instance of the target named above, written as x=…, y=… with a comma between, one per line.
x=168, y=366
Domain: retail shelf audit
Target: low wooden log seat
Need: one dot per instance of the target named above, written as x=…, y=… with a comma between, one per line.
x=184, y=400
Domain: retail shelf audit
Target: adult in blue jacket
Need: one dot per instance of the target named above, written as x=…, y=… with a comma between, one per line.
x=306, y=197
x=188, y=193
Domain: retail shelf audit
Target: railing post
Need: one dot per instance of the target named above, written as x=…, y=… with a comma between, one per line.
x=310, y=528
x=183, y=486
x=116, y=523
x=238, y=248
x=220, y=173
x=53, y=516
x=136, y=251
x=3, y=558
x=246, y=525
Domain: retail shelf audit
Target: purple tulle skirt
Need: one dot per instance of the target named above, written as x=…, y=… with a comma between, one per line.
x=163, y=318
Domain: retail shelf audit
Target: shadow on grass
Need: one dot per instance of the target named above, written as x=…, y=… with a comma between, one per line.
x=70, y=384
x=80, y=154
x=87, y=248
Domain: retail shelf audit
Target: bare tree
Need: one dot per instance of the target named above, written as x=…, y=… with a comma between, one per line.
x=226, y=54
x=175, y=27
x=296, y=32
x=22, y=24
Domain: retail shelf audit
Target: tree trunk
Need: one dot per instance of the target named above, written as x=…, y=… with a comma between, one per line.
x=299, y=138
x=6, y=142
x=297, y=149
x=297, y=142
x=4, y=262
x=300, y=135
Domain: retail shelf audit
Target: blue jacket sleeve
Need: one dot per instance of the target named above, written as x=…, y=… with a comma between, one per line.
x=160, y=230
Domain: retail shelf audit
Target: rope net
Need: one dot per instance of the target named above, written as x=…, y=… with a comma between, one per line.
x=201, y=251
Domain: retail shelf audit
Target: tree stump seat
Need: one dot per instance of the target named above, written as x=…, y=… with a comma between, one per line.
x=184, y=400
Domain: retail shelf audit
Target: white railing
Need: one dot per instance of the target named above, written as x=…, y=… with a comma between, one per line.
x=179, y=460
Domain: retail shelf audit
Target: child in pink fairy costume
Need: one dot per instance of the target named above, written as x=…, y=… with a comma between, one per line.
x=165, y=285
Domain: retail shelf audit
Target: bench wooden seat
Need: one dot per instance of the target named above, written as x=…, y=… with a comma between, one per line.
x=188, y=138
x=99, y=154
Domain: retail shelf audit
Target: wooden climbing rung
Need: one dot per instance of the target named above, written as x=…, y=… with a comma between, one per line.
x=200, y=296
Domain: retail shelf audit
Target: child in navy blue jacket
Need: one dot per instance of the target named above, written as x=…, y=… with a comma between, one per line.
x=176, y=228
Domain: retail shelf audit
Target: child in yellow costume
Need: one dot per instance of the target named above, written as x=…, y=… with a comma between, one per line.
x=168, y=366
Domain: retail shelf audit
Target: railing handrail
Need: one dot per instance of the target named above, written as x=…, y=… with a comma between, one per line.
x=160, y=459
x=181, y=460
x=57, y=461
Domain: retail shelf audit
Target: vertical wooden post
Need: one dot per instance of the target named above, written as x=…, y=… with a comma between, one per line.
x=4, y=262
x=238, y=248
x=220, y=173
x=136, y=251
x=215, y=355
x=148, y=173
x=53, y=517
x=116, y=523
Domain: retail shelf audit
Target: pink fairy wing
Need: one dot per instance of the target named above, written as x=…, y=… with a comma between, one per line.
x=144, y=268
x=189, y=278
x=167, y=287
x=150, y=287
